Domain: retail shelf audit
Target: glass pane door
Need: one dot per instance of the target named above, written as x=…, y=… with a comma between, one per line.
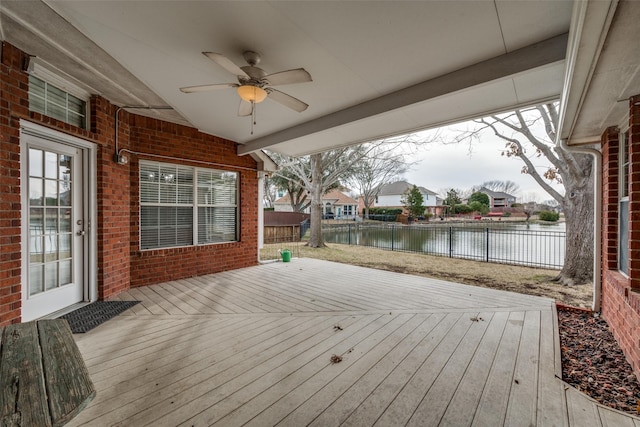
x=53, y=226
x=50, y=213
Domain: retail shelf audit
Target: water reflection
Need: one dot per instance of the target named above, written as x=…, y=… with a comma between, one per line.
x=521, y=244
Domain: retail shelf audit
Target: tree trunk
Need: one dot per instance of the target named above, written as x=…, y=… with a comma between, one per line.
x=315, y=238
x=579, y=216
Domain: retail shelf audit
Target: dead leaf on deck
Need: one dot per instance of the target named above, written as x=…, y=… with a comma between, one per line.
x=336, y=359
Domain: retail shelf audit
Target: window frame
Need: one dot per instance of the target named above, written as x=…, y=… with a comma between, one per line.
x=623, y=198
x=193, y=204
x=63, y=85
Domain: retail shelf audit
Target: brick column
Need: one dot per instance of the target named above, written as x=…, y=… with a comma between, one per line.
x=610, y=180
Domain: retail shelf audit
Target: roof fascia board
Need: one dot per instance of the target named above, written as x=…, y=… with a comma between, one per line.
x=265, y=162
x=509, y=64
x=590, y=23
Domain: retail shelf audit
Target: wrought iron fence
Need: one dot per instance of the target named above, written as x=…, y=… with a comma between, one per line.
x=535, y=248
x=273, y=247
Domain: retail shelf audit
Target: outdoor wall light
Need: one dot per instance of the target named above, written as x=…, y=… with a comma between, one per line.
x=121, y=159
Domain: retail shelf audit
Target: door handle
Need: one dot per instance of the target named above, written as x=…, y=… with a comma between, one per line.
x=80, y=233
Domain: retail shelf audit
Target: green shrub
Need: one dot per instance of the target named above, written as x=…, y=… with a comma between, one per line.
x=463, y=209
x=383, y=211
x=548, y=216
x=479, y=207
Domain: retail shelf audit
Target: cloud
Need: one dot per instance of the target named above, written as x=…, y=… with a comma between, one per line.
x=440, y=166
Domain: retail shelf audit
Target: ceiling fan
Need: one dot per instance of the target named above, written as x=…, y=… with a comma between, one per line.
x=254, y=84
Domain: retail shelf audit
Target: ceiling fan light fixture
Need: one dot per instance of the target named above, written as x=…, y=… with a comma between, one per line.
x=253, y=94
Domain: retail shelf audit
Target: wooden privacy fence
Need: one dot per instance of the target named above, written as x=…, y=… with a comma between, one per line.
x=284, y=226
x=281, y=233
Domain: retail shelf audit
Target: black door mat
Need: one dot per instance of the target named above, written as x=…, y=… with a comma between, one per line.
x=88, y=317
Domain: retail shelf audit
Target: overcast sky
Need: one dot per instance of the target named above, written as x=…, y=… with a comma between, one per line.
x=442, y=166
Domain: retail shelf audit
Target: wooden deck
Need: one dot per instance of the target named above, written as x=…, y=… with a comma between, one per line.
x=254, y=347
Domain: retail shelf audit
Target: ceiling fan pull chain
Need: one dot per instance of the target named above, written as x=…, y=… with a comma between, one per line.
x=253, y=115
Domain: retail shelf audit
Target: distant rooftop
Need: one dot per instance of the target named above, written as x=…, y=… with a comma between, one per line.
x=401, y=187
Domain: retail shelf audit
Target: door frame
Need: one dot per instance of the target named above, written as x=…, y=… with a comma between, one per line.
x=89, y=157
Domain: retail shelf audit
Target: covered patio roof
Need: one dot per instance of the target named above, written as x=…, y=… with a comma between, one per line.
x=378, y=68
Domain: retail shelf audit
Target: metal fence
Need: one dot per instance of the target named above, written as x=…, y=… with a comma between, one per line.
x=533, y=248
x=272, y=248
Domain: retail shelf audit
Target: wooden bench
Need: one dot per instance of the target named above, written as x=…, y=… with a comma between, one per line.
x=43, y=378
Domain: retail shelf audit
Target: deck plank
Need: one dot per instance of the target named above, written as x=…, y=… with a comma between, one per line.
x=206, y=288
x=582, y=412
x=163, y=373
x=495, y=396
x=343, y=405
x=405, y=403
x=523, y=399
x=462, y=407
x=611, y=418
x=314, y=376
x=220, y=379
x=435, y=402
x=252, y=347
x=552, y=401
x=169, y=292
x=332, y=380
x=374, y=405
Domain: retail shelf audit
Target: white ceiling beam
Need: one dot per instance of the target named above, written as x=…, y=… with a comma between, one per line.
x=518, y=61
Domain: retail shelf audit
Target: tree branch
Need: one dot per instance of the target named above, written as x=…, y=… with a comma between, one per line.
x=530, y=168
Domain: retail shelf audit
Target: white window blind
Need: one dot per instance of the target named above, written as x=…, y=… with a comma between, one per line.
x=169, y=210
x=47, y=99
x=217, y=206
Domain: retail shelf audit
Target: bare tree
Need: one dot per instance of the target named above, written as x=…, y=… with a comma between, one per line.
x=318, y=173
x=270, y=192
x=535, y=129
x=379, y=167
x=306, y=179
x=288, y=178
x=506, y=186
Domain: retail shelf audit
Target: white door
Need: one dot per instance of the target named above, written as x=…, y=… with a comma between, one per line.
x=53, y=226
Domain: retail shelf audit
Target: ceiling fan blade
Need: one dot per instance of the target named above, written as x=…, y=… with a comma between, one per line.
x=287, y=100
x=299, y=75
x=246, y=108
x=226, y=63
x=206, y=88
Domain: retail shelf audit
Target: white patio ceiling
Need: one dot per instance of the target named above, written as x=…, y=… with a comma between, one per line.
x=379, y=68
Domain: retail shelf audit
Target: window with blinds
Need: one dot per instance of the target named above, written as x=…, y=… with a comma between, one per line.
x=47, y=99
x=184, y=206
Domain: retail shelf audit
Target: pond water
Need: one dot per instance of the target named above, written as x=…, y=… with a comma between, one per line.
x=538, y=245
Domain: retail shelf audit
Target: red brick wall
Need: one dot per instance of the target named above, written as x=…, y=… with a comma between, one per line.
x=120, y=263
x=13, y=104
x=113, y=202
x=610, y=194
x=166, y=139
x=621, y=294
